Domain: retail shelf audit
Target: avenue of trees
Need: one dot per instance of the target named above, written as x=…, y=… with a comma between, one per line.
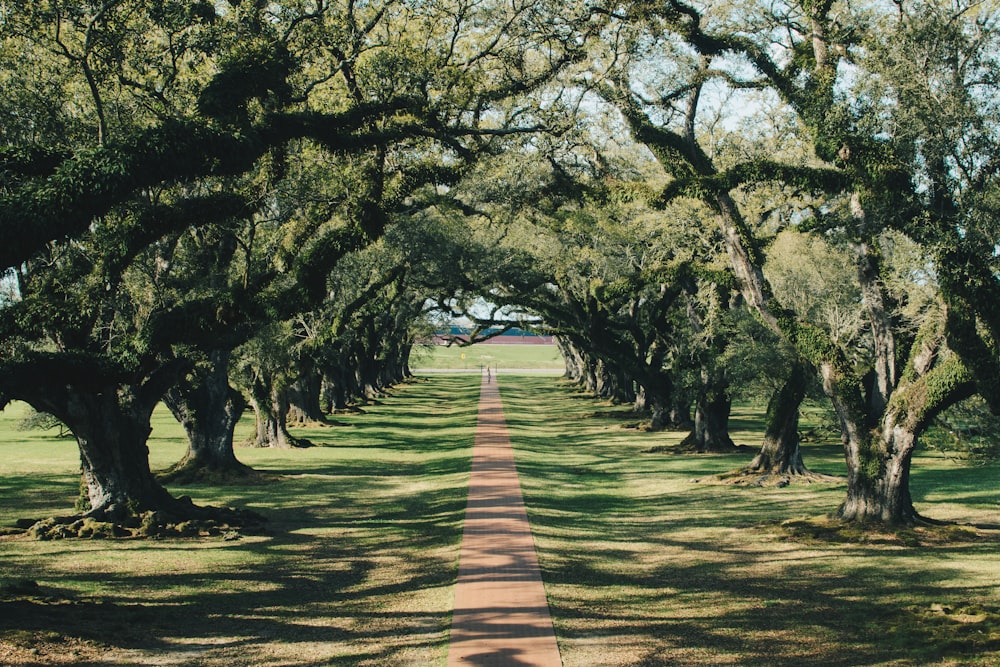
x=230, y=206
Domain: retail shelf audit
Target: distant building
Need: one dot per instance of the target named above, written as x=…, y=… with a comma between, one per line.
x=513, y=336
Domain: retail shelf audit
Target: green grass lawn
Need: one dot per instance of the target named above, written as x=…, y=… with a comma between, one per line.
x=476, y=357
x=643, y=563
x=356, y=568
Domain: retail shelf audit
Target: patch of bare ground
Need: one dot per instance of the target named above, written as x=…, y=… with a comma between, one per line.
x=828, y=529
x=687, y=449
x=241, y=475
x=756, y=478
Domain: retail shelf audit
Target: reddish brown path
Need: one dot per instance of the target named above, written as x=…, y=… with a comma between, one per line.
x=501, y=614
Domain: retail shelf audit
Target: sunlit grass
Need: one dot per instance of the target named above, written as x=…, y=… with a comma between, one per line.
x=356, y=568
x=644, y=565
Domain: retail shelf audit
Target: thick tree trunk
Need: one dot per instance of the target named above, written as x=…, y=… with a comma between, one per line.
x=711, y=423
x=304, y=398
x=659, y=414
x=878, y=460
x=111, y=428
x=581, y=367
x=571, y=360
x=208, y=409
x=612, y=383
x=270, y=407
x=680, y=412
x=879, y=491
x=111, y=423
x=780, y=453
x=335, y=391
x=405, y=372
x=657, y=393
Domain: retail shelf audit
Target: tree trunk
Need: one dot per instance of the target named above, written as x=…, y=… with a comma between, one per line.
x=711, y=423
x=111, y=428
x=612, y=383
x=208, y=409
x=658, y=413
x=680, y=412
x=657, y=391
x=111, y=423
x=878, y=461
x=336, y=390
x=270, y=407
x=572, y=359
x=780, y=453
x=304, y=398
x=879, y=490
x=405, y=372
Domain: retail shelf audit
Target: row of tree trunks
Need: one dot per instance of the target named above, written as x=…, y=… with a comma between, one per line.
x=595, y=375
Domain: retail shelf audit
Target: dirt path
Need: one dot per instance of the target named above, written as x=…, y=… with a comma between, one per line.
x=501, y=615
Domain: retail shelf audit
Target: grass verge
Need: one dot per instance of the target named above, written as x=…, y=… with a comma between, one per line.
x=644, y=566
x=356, y=568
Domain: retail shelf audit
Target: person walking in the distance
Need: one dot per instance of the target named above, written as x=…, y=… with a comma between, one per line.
x=488, y=376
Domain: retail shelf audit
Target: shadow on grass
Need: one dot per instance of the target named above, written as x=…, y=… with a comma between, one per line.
x=356, y=567
x=35, y=495
x=635, y=554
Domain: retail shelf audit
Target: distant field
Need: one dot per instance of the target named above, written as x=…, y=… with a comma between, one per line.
x=534, y=357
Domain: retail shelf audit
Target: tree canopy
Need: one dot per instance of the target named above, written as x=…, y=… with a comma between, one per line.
x=699, y=200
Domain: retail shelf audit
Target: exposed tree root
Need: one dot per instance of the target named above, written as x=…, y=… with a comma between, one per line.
x=181, y=519
x=762, y=478
x=326, y=422
x=193, y=472
x=292, y=442
x=349, y=410
x=688, y=448
x=923, y=533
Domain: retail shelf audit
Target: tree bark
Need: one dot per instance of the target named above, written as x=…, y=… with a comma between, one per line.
x=111, y=423
x=612, y=383
x=304, y=398
x=780, y=453
x=336, y=389
x=880, y=493
x=879, y=475
x=680, y=412
x=658, y=413
x=208, y=409
x=657, y=393
x=571, y=360
x=711, y=423
x=111, y=429
x=270, y=405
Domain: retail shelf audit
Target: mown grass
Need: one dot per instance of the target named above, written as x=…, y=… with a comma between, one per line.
x=356, y=568
x=476, y=357
x=643, y=565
